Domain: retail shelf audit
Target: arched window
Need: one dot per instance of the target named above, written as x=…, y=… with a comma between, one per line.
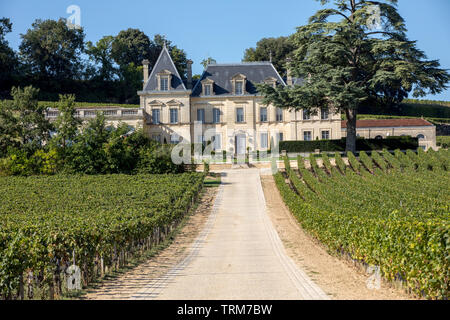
x=421, y=137
x=379, y=137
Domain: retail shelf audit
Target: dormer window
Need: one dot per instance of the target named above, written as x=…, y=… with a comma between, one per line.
x=164, y=80
x=207, y=90
x=271, y=81
x=164, y=84
x=239, y=87
x=208, y=87
x=239, y=83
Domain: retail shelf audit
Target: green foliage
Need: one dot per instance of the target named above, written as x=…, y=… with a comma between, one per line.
x=408, y=236
x=101, y=54
x=443, y=141
x=404, y=142
x=46, y=222
x=340, y=163
x=51, y=50
x=157, y=160
x=207, y=61
x=279, y=49
x=18, y=163
x=22, y=121
x=8, y=58
x=67, y=123
x=354, y=163
x=349, y=65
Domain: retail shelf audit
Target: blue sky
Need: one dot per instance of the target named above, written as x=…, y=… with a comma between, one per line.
x=221, y=29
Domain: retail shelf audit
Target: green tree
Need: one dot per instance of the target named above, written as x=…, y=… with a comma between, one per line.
x=131, y=46
x=347, y=62
x=51, y=50
x=277, y=49
x=86, y=154
x=23, y=119
x=207, y=61
x=101, y=55
x=8, y=59
x=67, y=123
x=178, y=55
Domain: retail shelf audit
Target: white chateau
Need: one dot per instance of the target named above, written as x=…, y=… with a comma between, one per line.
x=225, y=104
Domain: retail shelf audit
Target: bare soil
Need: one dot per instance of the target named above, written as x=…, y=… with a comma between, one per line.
x=339, y=278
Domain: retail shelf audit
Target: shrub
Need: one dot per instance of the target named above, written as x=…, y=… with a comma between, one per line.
x=390, y=143
x=157, y=160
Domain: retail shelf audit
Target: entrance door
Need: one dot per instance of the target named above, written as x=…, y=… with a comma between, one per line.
x=240, y=144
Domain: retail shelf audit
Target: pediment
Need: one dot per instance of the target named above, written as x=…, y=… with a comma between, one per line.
x=174, y=102
x=239, y=76
x=207, y=81
x=155, y=103
x=164, y=72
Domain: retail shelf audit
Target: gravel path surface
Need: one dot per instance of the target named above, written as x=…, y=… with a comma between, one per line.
x=238, y=255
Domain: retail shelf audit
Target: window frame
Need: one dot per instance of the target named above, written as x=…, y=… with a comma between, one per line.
x=265, y=140
x=237, y=115
x=158, y=112
x=216, y=111
x=201, y=111
x=279, y=116
x=176, y=114
x=328, y=132
x=310, y=135
x=306, y=114
x=261, y=114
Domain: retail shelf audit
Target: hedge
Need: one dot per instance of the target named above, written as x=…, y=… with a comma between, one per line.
x=390, y=143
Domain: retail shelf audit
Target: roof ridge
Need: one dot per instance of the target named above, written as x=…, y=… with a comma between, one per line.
x=240, y=63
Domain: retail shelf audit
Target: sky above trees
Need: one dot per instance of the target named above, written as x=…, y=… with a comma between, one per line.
x=221, y=29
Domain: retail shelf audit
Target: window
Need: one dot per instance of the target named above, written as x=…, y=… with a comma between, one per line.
x=173, y=115
x=421, y=137
x=155, y=116
x=216, y=115
x=201, y=115
x=325, y=114
x=263, y=114
x=207, y=90
x=239, y=87
x=174, y=138
x=379, y=137
x=306, y=115
x=157, y=138
x=307, y=136
x=164, y=83
x=201, y=139
x=325, y=135
x=217, y=142
x=279, y=114
x=240, y=115
x=264, y=140
x=280, y=136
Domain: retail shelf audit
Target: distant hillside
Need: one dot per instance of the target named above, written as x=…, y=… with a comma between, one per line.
x=53, y=104
x=436, y=111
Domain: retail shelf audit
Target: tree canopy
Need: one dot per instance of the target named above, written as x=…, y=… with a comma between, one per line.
x=348, y=61
x=51, y=50
x=275, y=49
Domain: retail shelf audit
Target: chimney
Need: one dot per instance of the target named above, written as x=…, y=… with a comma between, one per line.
x=145, y=63
x=289, y=80
x=189, y=74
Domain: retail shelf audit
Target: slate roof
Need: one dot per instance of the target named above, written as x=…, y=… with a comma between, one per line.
x=389, y=123
x=164, y=62
x=221, y=74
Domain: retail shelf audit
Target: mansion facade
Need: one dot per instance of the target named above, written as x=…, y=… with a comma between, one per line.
x=224, y=107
